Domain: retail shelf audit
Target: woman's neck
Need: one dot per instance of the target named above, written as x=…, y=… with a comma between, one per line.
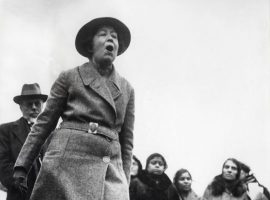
x=103, y=68
x=183, y=193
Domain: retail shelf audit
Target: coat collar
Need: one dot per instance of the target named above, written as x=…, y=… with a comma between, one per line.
x=159, y=182
x=109, y=90
x=21, y=129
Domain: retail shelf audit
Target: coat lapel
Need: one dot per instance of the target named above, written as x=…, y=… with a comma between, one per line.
x=93, y=79
x=114, y=84
x=21, y=129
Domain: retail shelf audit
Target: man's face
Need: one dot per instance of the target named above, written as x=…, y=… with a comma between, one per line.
x=105, y=45
x=31, y=108
x=229, y=171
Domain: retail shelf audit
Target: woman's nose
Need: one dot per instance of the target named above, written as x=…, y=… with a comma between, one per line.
x=109, y=39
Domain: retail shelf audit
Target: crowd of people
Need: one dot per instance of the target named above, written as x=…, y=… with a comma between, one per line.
x=152, y=183
x=89, y=156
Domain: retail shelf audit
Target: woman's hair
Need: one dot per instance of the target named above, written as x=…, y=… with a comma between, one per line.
x=154, y=155
x=219, y=184
x=88, y=44
x=139, y=165
x=178, y=174
x=244, y=167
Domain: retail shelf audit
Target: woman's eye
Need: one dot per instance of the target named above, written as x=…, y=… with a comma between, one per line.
x=102, y=33
x=114, y=36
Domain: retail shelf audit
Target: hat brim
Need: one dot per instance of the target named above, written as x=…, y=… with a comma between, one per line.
x=87, y=32
x=18, y=99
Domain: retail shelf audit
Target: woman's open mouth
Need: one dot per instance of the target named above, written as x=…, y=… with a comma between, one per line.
x=109, y=48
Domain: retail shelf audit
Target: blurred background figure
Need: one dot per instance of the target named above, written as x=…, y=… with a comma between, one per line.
x=12, y=138
x=255, y=190
x=153, y=182
x=227, y=185
x=135, y=172
x=181, y=187
x=136, y=168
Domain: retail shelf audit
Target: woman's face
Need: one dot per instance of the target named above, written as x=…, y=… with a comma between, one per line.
x=134, y=168
x=184, y=182
x=156, y=166
x=229, y=170
x=105, y=45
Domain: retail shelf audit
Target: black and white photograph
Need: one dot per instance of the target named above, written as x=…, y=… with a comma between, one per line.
x=135, y=100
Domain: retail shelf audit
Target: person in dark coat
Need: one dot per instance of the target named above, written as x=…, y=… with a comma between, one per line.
x=153, y=182
x=135, y=171
x=136, y=168
x=89, y=155
x=227, y=185
x=181, y=187
x=255, y=190
x=12, y=138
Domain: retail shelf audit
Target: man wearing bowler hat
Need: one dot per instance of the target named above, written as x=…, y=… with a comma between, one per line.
x=12, y=138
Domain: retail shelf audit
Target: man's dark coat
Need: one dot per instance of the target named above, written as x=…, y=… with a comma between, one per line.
x=12, y=138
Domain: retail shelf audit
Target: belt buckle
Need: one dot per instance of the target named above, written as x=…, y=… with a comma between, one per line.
x=93, y=128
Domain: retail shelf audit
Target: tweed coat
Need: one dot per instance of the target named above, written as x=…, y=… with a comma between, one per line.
x=80, y=165
x=12, y=137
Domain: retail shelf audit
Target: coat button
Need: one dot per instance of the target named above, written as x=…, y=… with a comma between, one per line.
x=106, y=159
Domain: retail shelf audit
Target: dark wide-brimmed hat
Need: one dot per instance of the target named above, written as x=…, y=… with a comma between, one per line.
x=30, y=91
x=87, y=32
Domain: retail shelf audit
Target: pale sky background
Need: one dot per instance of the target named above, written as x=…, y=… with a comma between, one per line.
x=200, y=69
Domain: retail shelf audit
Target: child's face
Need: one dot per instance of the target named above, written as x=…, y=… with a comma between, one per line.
x=156, y=166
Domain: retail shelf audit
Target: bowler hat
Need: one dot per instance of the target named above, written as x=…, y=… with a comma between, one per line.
x=30, y=91
x=87, y=32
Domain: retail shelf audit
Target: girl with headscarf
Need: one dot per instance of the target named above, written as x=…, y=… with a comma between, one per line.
x=153, y=181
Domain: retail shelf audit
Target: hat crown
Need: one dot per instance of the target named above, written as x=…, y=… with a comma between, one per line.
x=30, y=89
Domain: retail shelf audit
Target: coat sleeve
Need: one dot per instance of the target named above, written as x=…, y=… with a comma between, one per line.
x=126, y=136
x=46, y=123
x=6, y=164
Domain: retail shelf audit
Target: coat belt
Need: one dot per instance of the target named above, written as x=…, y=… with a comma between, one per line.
x=94, y=128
